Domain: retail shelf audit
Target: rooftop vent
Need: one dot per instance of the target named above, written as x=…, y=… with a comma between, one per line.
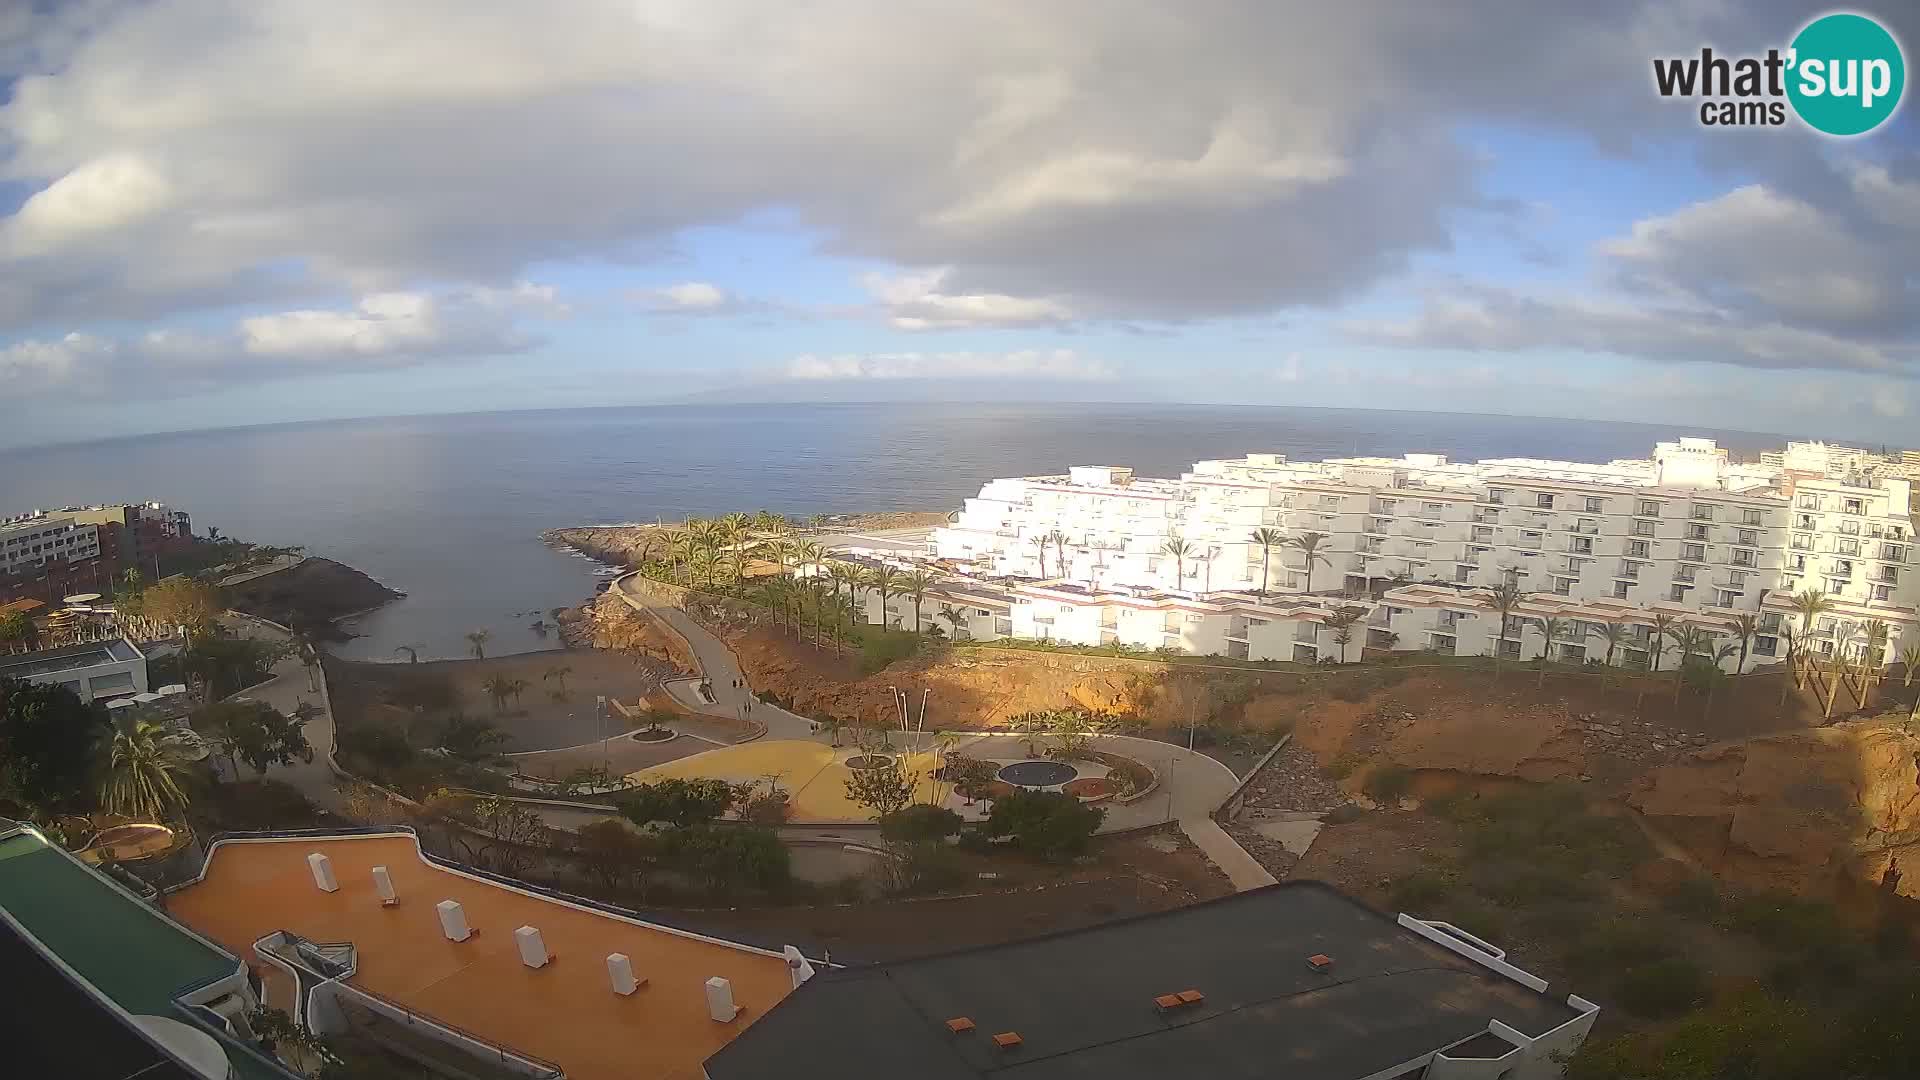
x=1191, y=997
x=1168, y=1001
x=1007, y=1040
x=1320, y=962
x=960, y=1025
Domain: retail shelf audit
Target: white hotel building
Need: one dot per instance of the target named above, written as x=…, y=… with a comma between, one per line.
x=1418, y=541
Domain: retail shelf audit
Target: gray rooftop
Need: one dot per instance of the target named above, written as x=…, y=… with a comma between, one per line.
x=1083, y=1001
x=66, y=658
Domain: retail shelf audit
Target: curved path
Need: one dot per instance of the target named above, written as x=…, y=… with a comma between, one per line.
x=1192, y=785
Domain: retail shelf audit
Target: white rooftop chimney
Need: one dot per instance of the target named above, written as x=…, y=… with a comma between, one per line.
x=797, y=965
x=383, y=884
x=620, y=974
x=720, y=1004
x=322, y=868
x=533, y=948
x=453, y=920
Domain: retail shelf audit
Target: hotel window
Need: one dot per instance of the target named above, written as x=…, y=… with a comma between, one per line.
x=1461, y=573
x=1737, y=579
x=1563, y=586
x=1893, y=553
x=1595, y=506
x=1743, y=558
x=1809, y=502
x=1432, y=508
x=1746, y=537
x=1543, y=500
x=1696, y=532
x=1643, y=528
x=1585, y=525
x=1648, y=508
x=1727, y=598
x=1620, y=590
x=1695, y=552
x=1497, y=496
x=1677, y=594
x=1843, y=567
x=1683, y=573
x=1749, y=517
x=1802, y=542
x=1637, y=549
x=1837, y=585
x=1853, y=506
x=1387, y=505
x=1329, y=502
x=1702, y=512
x=1883, y=592
x=1797, y=564
x=1847, y=547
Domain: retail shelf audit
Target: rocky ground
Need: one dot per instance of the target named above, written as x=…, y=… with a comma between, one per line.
x=311, y=594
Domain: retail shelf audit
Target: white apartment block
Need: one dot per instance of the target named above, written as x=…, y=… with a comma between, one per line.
x=28, y=544
x=1419, y=541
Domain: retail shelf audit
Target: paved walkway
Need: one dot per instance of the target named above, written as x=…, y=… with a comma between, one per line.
x=1192, y=785
x=290, y=686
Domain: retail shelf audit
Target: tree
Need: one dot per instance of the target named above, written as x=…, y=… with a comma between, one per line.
x=47, y=741
x=1688, y=639
x=14, y=627
x=477, y=643
x=676, y=802
x=916, y=585
x=1550, y=628
x=471, y=740
x=180, y=601
x=515, y=834
x=1308, y=544
x=1040, y=550
x=140, y=778
x=1268, y=539
x=557, y=675
x=885, y=580
x=957, y=619
x=1910, y=661
x=725, y=860
x=968, y=775
x=1049, y=825
x=1506, y=597
x=1613, y=633
x=1342, y=621
x=1809, y=604
x=256, y=733
x=882, y=790
x=1031, y=726
x=1662, y=629
x=1873, y=657
x=915, y=841
x=229, y=664
x=1072, y=733
x=499, y=688
x=614, y=854
x=1745, y=626
x=843, y=574
x=1179, y=549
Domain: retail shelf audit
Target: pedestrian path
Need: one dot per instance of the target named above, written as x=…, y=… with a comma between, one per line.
x=1224, y=852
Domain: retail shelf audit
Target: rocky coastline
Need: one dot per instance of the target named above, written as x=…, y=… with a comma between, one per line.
x=314, y=594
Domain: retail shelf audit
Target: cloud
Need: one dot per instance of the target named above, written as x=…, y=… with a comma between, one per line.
x=1754, y=278
x=383, y=331
x=915, y=302
x=687, y=298
x=1053, y=364
x=1070, y=159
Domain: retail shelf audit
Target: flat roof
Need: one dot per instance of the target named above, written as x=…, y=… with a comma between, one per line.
x=564, y=1013
x=66, y=1031
x=66, y=658
x=1083, y=1003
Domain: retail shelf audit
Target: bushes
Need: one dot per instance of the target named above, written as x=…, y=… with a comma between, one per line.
x=1045, y=824
x=1388, y=784
x=881, y=645
x=1419, y=891
x=676, y=802
x=727, y=859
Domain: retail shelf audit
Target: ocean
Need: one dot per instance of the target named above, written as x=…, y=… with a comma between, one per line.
x=448, y=509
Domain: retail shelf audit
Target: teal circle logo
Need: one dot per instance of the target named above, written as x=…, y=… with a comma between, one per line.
x=1846, y=74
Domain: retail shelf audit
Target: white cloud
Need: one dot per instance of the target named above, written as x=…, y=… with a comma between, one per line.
x=386, y=330
x=1051, y=364
x=686, y=297
x=916, y=302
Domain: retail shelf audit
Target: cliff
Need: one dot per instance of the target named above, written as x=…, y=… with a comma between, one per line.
x=312, y=593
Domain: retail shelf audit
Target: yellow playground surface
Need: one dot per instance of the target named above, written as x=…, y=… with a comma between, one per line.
x=812, y=773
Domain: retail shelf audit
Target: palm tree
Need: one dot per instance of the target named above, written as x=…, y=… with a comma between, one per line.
x=842, y=574
x=1040, y=549
x=412, y=651
x=1910, y=660
x=1613, y=633
x=140, y=772
x=1872, y=658
x=681, y=549
x=1179, y=549
x=1309, y=545
x=1268, y=539
x=886, y=580
x=915, y=584
x=477, y=643
x=1809, y=604
x=1746, y=625
x=1716, y=675
x=1550, y=627
x=1793, y=654
x=1060, y=551
x=1506, y=596
x=1689, y=639
x=1837, y=664
x=808, y=553
x=557, y=674
x=957, y=619
x=1657, y=640
x=1342, y=621
x=499, y=688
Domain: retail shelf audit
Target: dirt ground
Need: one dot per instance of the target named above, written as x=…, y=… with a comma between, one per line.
x=1130, y=875
x=537, y=721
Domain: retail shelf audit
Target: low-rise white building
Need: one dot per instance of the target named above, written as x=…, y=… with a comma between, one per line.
x=28, y=544
x=95, y=670
x=1099, y=555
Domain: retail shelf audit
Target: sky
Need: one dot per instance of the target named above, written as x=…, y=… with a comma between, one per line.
x=226, y=212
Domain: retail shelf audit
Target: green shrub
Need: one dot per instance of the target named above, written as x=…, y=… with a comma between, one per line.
x=1482, y=920
x=1388, y=784
x=1524, y=884
x=1419, y=891
x=1617, y=946
x=1662, y=988
x=1788, y=922
x=1047, y=824
x=881, y=645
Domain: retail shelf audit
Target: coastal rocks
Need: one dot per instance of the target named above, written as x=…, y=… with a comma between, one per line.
x=311, y=593
x=1293, y=780
x=609, y=623
x=1793, y=810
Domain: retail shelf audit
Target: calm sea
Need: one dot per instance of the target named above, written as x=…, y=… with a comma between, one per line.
x=448, y=509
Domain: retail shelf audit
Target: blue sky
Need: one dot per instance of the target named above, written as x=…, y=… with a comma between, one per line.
x=217, y=213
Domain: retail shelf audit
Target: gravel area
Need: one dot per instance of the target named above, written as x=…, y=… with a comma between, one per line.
x=1293, y=781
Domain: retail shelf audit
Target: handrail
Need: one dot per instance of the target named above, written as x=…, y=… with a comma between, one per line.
x=416, y=1016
